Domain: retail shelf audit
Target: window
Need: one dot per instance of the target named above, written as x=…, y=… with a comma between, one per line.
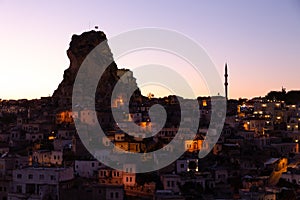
x=93, y=164
x=19, y=176
x=117, y=195
x=30, y=176
x=111, y=195
x=41, y=177
x=181, y=166
x=52, y=177
x=19, y=189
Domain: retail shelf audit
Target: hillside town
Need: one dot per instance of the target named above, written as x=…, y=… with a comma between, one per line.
x=42, y=156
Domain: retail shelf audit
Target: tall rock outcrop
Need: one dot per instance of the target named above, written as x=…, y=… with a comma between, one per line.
x=80, y=47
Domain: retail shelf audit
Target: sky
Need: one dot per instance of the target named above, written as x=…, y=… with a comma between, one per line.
x=259, y=40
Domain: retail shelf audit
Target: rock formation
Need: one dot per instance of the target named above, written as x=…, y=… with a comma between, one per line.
x=80, y=47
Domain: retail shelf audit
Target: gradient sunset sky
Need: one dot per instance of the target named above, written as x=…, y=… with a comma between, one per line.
x=260, y=40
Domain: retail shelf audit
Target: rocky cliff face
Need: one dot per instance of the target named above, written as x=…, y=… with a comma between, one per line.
x=80, y=47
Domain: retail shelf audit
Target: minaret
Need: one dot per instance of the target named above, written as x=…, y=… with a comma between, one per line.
x=226, y=82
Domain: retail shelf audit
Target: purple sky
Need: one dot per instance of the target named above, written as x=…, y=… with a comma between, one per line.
x=260, y=40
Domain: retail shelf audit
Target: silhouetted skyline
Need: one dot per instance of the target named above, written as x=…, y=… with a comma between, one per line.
x=259, y=40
